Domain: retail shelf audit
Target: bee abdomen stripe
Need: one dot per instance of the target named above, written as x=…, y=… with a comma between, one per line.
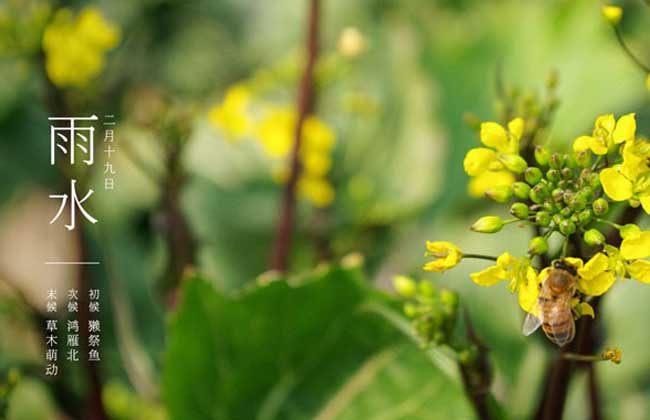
x=556, y=324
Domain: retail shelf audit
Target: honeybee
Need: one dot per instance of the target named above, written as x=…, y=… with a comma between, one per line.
x=554, y=305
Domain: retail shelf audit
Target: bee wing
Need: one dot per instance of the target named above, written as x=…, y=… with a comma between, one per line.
x=531, y=324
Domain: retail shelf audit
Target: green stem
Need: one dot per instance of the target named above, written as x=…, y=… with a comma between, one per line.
x=565, y=247
x=583, y=357
x=480, y=257
x=628, y=51
x=607, y=222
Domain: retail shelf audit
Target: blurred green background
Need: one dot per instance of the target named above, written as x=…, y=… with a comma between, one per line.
x=238, y=346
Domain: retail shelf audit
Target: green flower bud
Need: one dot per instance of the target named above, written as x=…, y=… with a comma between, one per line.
x=553, y=175
x=519, y=210
x=521, y=190
x=472, y=121
x=405, y=286
x=468, y=356
x=585, y=217
x=542, y=155
x=586, y=173
x=537, y=246
x=600, y=207
x=557, y=219
x=550, y=207
x=500, y=193
x=536, y=195
x=426, y=288
x=567, y=227
x=533, y=175
x=488, y=224
x=568, y=198
x=567, y=173
x=588, y=193
x=593, y=237
x=551, y=79
x=579, y=201
x=594, y=181
x=513, y=163
x=583, y=159
x=566, y=212
x=543, y=218
x=411, y=310
x=556, y=161
x=557, y=195
x=449, y=298
x=630, y=231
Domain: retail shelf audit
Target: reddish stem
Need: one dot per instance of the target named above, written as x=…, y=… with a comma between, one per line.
x=282, y=246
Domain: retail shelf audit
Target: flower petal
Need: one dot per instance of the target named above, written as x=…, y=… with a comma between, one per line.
x=645, y=203
x=488, y=277
x=584, y=308
x=528, y=294
x=616, y=186
x=633, y=248
x=625, y=129
x=480, y=184
x=478, y=160
x=596, y=265
x=597, y=285
x=516, y=127
x=606, y=121
x=640, y=270
x=583, y=143
x=494, y=135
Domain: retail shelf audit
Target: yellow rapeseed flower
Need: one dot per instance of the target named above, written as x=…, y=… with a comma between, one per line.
x=630, y=181
x=479, y=184
x=232, y=115
x=607, y=134
x=522, y=277
x=317, y=190
x=502, y=151
x=612, y=14
x=636, y=246
x=446, y=255
x=275, y=131
x=351, y=42
x=75, y=47
x=596, y=276
x=639, y=270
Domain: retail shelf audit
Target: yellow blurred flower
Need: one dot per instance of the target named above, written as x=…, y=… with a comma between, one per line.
x=612, y=14
x=522, y=277
x=275, y=131
x=75, y=47
x=351, y=42
x=607, y=134
x=446, y=254
x=317, y=190
x=630, y=181
x=232, y=114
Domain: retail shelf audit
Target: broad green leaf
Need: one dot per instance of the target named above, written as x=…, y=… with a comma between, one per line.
x=308, y=351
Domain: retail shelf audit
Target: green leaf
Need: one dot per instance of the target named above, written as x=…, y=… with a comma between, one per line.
x=311, y=351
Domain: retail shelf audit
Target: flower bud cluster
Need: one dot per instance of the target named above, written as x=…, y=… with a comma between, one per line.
x=432, y=312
